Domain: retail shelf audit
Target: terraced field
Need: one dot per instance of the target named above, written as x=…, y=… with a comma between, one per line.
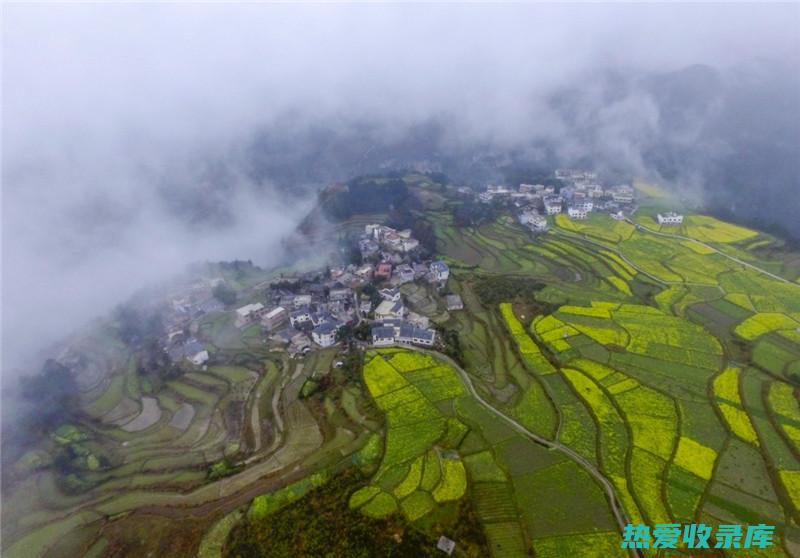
x=651, y=376
x=185, y=447
x=685, y=361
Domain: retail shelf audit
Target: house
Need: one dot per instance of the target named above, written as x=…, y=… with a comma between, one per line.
x=403, y=273
x=382, y=336
x=526, y=216
x=408, y=244
x=439, y=272
x=538, y=223
x=621, y=194
x=392, y=332
x=418, y=320
x=340, y=294
x=410, y=335
x=577, y=212
x=383, y=271
x=552, y=205
x=324, y=334
x=194, y=351
x=420, y=270
x=390, y=294
x=669, y=218
x=368, y=247
x=300, y=316
x=200, y=358
x=618, y=216
x=583, y=205
x=301, y=300
x=249, y=313
x=399, y=241
x=364, y=272
x=531, y=219
x=389, y=309
x=454, y=302
x=274, y=318
x=446, y=545
x=595, y=191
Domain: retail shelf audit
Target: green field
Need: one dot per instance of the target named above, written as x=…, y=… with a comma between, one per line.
x=658, y=366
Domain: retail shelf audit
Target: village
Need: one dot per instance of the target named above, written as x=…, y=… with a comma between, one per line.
x=580, y=194
x=318, y=309
x=362, y=302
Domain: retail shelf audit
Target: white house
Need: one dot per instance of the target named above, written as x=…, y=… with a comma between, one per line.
x=420, y=270
x=340, y=294
x=583, y=205
x=302, y=300
x=390, y=294
x=409, y=244
x=389, y=309
x=577, y=213
x=669, y=218
x=454, y=302
x=552, y=206
x=249, y=313
x=533, y=220
x=300, y=317
x=200, y=358
x=410, y=335
x=622, y=193
x=364, y=272
x=382, y=336
x=393, y=332
x=403, y=273
x=440, y=272
x=324, y=334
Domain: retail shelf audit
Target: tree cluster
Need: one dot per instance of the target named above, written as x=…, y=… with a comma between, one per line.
x=492, y=290
x=224, y=293
x=366, y=194
x=52, y=395
x=472, y=213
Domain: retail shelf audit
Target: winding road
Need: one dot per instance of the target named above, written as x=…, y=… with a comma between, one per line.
x=720, y=252
x=608, y=487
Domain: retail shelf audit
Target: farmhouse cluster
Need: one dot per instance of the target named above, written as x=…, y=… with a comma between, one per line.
x=574, y=192
x=317, y=309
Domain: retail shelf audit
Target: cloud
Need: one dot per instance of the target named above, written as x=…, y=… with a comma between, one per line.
x=129, y=129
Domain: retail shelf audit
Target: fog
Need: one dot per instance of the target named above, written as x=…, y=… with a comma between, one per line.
x=139, y=138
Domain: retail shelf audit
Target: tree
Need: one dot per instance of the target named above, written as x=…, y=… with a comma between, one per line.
x=224, y=293
x=53, y=394
x=362, y=331
x=424, y=232
x=344, y=332
x=134, y=325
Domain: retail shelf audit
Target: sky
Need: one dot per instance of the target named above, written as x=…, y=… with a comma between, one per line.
x=108, y=109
